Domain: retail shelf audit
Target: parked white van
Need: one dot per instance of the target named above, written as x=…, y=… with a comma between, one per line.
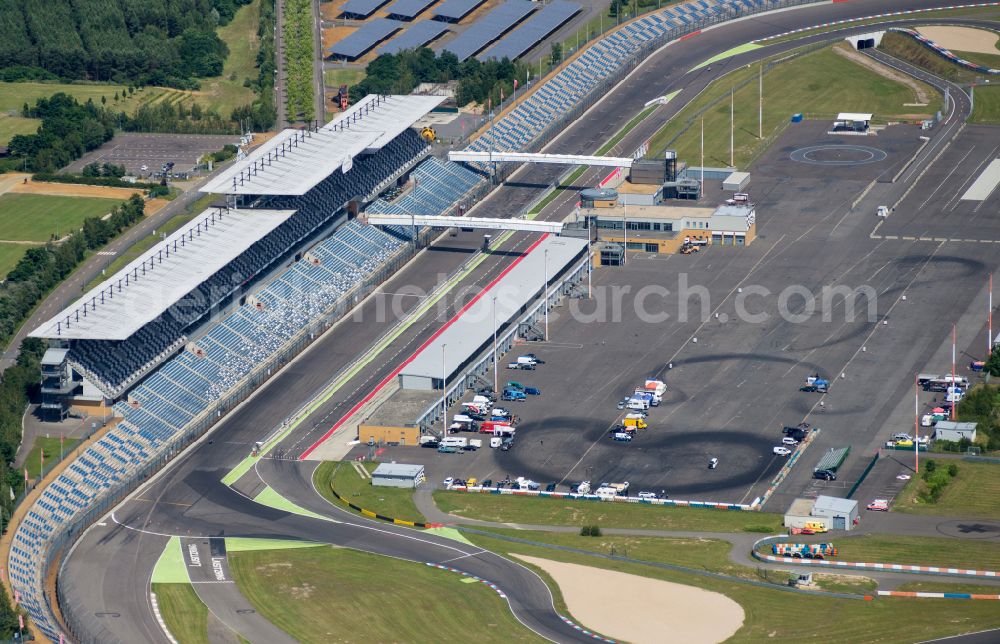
x=636, y=403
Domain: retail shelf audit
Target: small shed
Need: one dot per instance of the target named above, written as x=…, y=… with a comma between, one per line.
x=946, y=430
x=842, y=513
x=799, y=515
x=398, y=475
x=852, y=122
x=736, y=182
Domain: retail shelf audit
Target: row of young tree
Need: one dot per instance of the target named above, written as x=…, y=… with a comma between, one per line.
x=155, y=42
x=477, y=82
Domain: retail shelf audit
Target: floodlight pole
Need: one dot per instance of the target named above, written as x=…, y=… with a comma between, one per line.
x=954, y=404
x=444, y=394
x=916, y=423
x=545, y=288
x=701, y=188
x=496, y=376
x=732, y=128
x=989, y=322
x=760, y=103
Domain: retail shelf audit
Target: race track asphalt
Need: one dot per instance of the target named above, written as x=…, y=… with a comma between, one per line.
x=106, y=577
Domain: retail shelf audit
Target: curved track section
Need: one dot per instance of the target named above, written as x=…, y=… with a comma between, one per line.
x=104, y=582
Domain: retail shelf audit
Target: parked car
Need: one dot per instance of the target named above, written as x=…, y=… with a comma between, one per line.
x=623, y=402
x=713, y=463
x=648, y=495
x=533, y=391
x=788, y=440
x=513, y=384
x=448, y=481
x=510, y=394
x=879, y=505
x=825, y=475
x=488, y=483
x=782, y=451
x=534, y=358
x=551, y=487
x=446, y=449
x=431, y=444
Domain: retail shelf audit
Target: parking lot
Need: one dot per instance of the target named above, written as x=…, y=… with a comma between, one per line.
x=153, y=150
x=734, y=343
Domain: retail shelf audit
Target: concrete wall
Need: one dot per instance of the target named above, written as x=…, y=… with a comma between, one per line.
x=409, y=436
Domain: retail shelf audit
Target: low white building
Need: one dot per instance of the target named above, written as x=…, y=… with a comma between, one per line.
x=398, y=475
x=946, y=430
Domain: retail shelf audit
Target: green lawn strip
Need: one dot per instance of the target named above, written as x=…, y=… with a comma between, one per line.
x=11, y=126
x=334, y=78
x=729, y=53
x=701, y=553
x=183, y=611
x=13, y=96
x=246, y=544
x=50, y=447
x=791, y=87
x=921, y=551
x=986, y=109
x=150, y=240
x=781, y=616
x=170, y=567
x=931, y=13
x=973, y=492
x=270, y=497
x=991, y=61
x=851, y=584
x=337, y=594
x=10, y=255
x=551, y=511
x=37, y=218
x=392, y=502
x=628, y=127
x=945, y=587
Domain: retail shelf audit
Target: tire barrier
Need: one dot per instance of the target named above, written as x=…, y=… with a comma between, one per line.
x=382, y=517
x=923, y=595
x=712, y=505
x=503, y=596
x=874, y=567
x=892, y=14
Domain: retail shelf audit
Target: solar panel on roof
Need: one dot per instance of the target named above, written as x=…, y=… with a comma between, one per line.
x=409, y=8
x=363, y=8
x=365, y=38
x=456, y=9
x=534, y=30
x=489, y=28
x=416, y=36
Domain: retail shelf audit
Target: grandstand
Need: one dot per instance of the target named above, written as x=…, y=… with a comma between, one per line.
x=171, y=376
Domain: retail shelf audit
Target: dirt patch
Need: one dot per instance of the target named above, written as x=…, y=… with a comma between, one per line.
x=853, y=55
x=74, y=190
x=653, y=607
x=979, y=41
x=8, y=181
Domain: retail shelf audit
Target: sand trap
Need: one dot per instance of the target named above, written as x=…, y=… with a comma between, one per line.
x=639, y=609
x=74, y=190
x=980, y=41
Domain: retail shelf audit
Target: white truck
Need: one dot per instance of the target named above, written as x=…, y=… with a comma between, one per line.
x=475, y=443
x=455, y=441
x=656, y=387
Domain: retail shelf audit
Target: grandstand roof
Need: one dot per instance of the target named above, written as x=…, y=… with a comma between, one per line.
x=291, y=163
x=470, y=331
x=156, y=280
x=294, y=161
x=386, y=115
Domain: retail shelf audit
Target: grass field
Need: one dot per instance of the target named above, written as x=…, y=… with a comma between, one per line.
x=51, y=449
x=388, y=501
x=10, y=255
x=819, y=84
x=776, y=616
x=37, y=218
x=11, y=126
x=14, y=95
x=986, y=108
x=334, y=595
x=334, y=78
x=147, y=242
x=972, y=493
x=185, y=614
x=540, y=511
x=703, y=554
x=226, y=92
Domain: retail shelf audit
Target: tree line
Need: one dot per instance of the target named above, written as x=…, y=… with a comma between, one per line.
x=477, y=82
x=154, y=42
